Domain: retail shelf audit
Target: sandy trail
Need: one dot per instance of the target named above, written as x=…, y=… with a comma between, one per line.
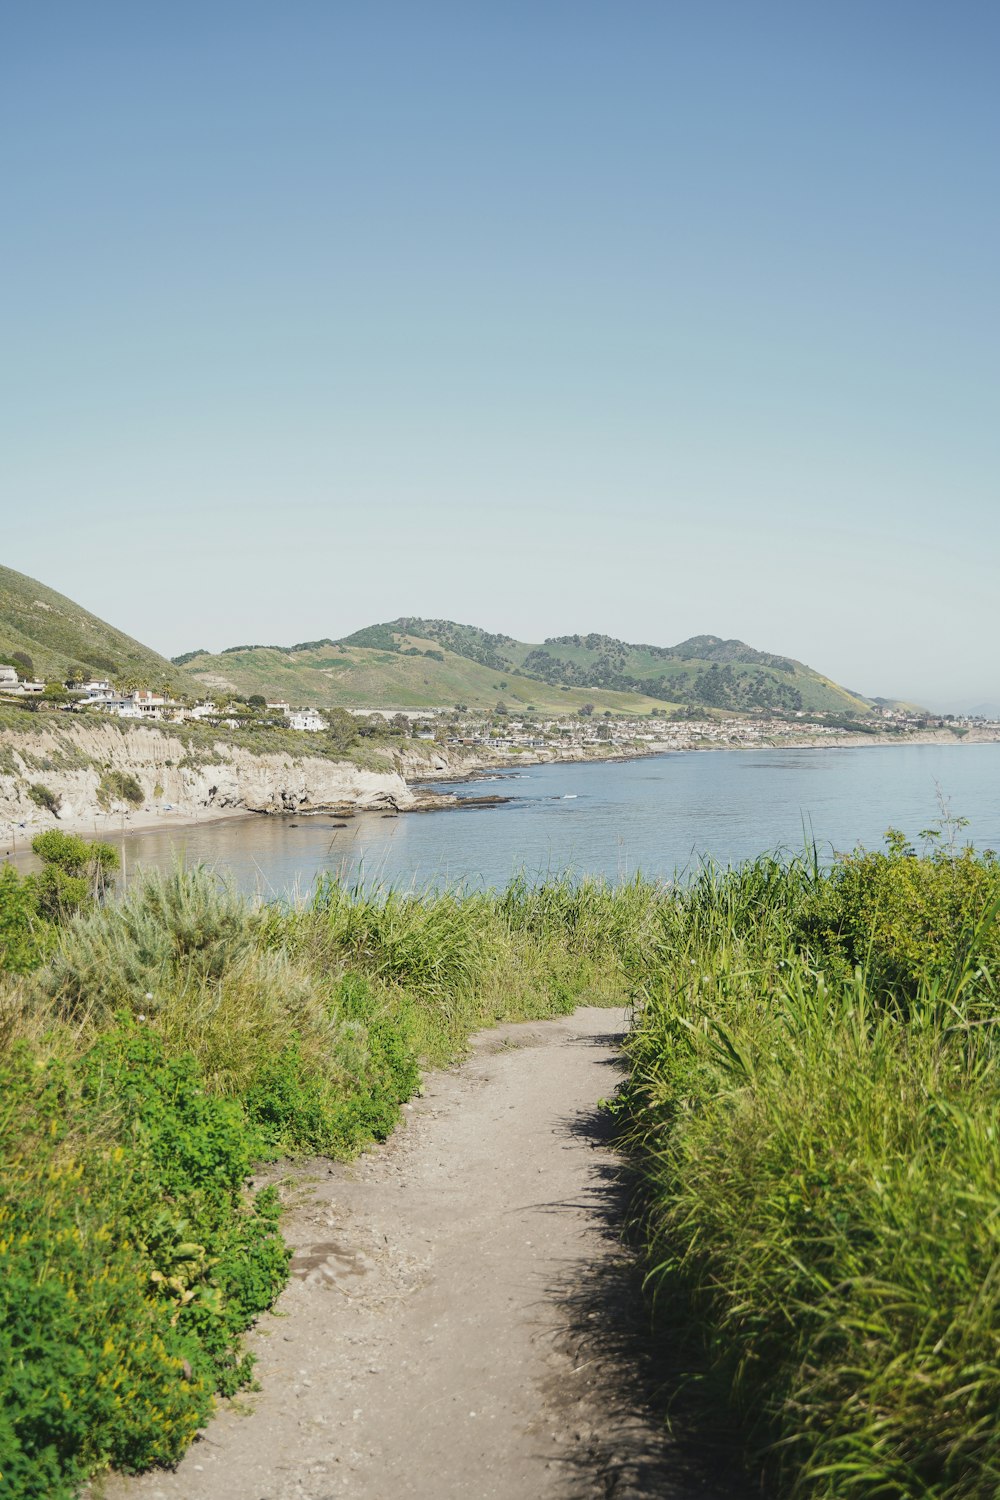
x=456, y=1321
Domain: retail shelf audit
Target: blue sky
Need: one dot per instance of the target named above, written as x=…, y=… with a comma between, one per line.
x=647, y=318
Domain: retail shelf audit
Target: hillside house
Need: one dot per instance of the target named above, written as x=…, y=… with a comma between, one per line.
x=307, y=719
x=8, y=677
x=97, y=691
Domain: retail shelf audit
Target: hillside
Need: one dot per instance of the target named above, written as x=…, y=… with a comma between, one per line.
x=413, y=662
x=704, y=671
x=57, y=637
x=402, y=676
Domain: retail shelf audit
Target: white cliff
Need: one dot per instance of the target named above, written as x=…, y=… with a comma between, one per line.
x=179, y=782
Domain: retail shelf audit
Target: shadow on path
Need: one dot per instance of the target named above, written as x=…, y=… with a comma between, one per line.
x=616, y=1383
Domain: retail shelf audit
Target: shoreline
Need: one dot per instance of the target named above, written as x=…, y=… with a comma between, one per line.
x=15, y=838
x=484, y=769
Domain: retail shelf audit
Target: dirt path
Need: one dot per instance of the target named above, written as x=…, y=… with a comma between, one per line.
x=457, y=1310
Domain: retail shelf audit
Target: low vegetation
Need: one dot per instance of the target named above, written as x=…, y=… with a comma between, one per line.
x=151, y=1051
x=811, y=1109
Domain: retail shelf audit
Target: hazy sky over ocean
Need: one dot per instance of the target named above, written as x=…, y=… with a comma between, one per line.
x=642, y=317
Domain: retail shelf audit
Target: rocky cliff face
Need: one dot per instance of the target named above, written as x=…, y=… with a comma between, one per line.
x=70, y=764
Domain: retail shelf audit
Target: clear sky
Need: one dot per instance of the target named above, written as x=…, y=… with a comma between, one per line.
x=637, y=316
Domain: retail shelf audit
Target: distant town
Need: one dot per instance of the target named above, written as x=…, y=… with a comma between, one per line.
x=499, y=730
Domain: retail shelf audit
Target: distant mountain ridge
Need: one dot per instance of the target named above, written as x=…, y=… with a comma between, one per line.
x=478, y=666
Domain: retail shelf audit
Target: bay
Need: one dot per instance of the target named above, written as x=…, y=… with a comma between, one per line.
x=659, y=816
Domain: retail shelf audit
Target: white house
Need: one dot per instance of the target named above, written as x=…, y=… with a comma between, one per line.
x=9, y=683
x=95, y=691
x=306, y=718
x=141, y=705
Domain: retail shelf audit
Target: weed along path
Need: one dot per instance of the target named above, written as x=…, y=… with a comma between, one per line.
x=456, y=1323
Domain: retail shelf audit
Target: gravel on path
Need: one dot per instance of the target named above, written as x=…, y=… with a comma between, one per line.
x=457, y=1322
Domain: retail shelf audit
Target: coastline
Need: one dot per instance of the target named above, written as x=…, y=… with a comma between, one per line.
x=412, y=789
x=15, y=839
x=475, y=768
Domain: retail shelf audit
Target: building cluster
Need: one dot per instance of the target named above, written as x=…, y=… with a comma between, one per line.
x=142, y=703
x=503, y=731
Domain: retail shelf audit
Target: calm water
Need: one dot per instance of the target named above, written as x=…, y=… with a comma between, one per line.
x=657, y=815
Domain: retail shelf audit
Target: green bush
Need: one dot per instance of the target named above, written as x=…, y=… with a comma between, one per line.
x=74, y=873
x=905, y=920
x=119, y=786
x=130, y=1259
x=26, y=935
x=168, y=931
x=44, y=798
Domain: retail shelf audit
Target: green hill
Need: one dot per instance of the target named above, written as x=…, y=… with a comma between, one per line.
x=412, y=663
x=704, y=671
x=402, y=675
x=58, y=637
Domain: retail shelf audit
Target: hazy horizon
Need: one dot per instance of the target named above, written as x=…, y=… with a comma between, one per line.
x=648, y=320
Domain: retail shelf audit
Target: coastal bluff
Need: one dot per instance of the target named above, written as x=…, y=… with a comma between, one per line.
x=76, y=766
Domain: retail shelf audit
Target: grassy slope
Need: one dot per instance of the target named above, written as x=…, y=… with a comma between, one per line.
x=706, y=670
x=677, y=677
x=359, y=676
x=59, y=635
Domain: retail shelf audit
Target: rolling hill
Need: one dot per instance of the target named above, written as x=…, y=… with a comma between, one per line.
x=57, y=637
x=412, y=662
x=334, y=674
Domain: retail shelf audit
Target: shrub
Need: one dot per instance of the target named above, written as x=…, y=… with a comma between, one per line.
x=119, y=786
x=26, y=936
x=169, y=932
x=129, y=1261
x=42, y=797
x=906, y=920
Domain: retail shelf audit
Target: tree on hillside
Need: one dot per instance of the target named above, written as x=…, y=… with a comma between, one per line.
x=342, y=732
x=24, y=664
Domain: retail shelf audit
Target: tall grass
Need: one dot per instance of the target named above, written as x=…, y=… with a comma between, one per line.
x=819, y=1144
x=812, y=1108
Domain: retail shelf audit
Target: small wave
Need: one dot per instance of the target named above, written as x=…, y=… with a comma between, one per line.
x=569, y=796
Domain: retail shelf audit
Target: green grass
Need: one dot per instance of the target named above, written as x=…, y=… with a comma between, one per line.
x=58, y=636
x=813, y=1109
x=366, y=677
